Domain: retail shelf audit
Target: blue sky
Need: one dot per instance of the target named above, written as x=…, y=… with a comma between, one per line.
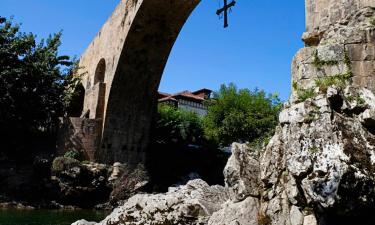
x=255, y=51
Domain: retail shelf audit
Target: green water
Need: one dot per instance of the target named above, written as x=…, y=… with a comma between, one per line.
x=48, y=217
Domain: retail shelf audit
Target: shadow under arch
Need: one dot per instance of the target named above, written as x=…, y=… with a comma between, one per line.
x=100, y=72
x=75, y=107
x=133, y=92
x=99, y=80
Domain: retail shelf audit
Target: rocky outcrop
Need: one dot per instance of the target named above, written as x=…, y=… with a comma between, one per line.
x=80, y=184
x=317, y=169
x=320, y=159
x=192, y=203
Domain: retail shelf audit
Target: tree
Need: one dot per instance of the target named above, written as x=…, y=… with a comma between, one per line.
x=241, y=115
x=34, y=81
x=177, y=126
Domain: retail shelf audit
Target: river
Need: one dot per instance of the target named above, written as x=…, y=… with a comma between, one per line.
x=48, y=217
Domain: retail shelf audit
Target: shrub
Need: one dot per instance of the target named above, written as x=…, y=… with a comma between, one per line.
x=74, y=154
x=63, y=163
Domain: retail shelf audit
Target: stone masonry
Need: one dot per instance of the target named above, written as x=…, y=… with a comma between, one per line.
x=340, y=40
x=122, y=68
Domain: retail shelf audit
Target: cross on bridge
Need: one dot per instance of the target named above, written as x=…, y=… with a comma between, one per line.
x=224, y=10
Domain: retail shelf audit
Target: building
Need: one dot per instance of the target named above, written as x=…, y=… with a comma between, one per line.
x=192, y=101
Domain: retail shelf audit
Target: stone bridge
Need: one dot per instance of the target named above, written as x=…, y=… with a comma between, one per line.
x=123, y=66
x=122, y=69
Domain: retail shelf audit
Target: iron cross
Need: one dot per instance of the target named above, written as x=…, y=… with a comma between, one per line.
x=224, y=10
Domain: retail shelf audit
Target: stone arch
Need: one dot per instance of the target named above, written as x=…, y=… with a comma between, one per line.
x=138, y=38
x=100, y=72
x=133, y=95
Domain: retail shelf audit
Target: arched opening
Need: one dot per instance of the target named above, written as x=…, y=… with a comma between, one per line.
x=100, y=86
x=133, y=91
x=100, y=72
x=76, y=104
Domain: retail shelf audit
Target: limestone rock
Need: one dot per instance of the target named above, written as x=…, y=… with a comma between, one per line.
x=242, y=172
x=310, y=220
x=192, y=203
x=128, y=182
x=296, y=216
x=244, y=212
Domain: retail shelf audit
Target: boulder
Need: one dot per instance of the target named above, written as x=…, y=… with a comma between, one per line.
x=242, y=172
x=189, y=204
x=243, y=212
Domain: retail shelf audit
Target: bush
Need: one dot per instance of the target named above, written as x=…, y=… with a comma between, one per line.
x=63, y=163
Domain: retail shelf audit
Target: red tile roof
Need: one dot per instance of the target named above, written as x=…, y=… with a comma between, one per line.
x=195, y=96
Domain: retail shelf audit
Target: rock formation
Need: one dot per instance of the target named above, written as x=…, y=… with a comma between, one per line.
x=319, y=166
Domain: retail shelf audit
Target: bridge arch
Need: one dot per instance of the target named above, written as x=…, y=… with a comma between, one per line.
x=135, y=42
x=100, y=72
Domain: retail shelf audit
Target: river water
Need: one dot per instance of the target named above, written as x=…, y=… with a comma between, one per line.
x=48, y=217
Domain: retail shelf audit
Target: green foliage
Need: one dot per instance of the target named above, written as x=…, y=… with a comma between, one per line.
x=74, y=154
x=60, y=164
x=240, y=115
x=314, y=149
x=339, y=80
x=295, y=86
x=304, y=94
x=34, y=81
x=318, y=63
x=357, y=98
x=177, y=126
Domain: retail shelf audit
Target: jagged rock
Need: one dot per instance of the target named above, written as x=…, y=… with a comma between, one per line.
x=310, y=220
x=296, y=216
x=130, y=182
x=243, y=212
x=242, y=172
x=117, y=172
x=190, y=204
x=368, y=118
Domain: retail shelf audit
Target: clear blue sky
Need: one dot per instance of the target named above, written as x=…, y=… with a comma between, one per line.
x=255, y=51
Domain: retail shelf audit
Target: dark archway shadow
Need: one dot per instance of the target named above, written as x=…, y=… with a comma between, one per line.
x=76, y=105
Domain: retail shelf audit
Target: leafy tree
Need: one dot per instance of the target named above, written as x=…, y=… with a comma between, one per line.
x=34, y=82
x=241, y=115
x=177, y=126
